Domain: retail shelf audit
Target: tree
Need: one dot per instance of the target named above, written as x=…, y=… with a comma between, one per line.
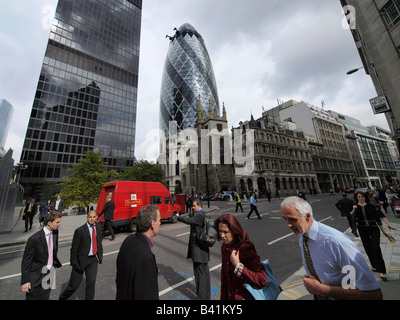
x=85, y=179
x=143, y=171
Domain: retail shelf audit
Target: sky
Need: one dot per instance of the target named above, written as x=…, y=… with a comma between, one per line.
x=262, y=51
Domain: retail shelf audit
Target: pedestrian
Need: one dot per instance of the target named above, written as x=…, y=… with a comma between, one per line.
x=335, y=267
x=137, y=272
x=240, y=261
x=199, y=253
x=377, y=204
x=269, y=195
x=58, y=205
x=108, y=210
x=86, y=255
x=37, y=263
x=368, y=223
x=345, y=206
x=47, y=208
x=238, y=202
x=253, y=206
x=30, y=212
x=390, y=195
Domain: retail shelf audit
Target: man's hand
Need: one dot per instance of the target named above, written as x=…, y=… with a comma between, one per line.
x=312, y=285
x=26, y=287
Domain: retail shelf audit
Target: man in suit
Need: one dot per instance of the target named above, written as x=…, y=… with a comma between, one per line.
x=108, y=210
x=86, y=254
x=136, y=264
x=199, y=254
x=30, y=211
x=37, y=264
x=345, y=205
x=58, y=205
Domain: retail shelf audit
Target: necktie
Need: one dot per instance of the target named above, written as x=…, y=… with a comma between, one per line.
x=310, y=265
x=50, y=250
x=94, y=240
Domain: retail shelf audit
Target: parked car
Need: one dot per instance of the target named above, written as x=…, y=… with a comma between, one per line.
x=363, y=189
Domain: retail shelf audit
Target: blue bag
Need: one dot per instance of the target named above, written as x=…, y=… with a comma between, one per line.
x=271, y=291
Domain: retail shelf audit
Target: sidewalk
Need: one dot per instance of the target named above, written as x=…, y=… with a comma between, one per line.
x=293, y=288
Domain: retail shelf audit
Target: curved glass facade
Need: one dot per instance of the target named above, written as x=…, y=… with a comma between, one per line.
x=188, y=75
x=86, y=96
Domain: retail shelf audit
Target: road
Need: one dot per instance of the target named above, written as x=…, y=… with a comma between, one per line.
x=272, y=238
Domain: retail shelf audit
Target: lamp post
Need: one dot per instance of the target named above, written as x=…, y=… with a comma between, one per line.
x=354, y=70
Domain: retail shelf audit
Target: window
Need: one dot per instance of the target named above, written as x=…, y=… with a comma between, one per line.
x=155, y=200
x=391, y=12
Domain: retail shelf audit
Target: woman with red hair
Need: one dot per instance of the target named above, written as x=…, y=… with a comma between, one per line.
x=240, y=261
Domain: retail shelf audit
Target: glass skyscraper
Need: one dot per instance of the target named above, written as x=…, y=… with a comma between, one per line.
x=86, y=96
x=188, y=76
x=6, y=112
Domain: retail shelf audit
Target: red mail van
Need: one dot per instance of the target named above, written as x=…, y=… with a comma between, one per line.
x=130, y=196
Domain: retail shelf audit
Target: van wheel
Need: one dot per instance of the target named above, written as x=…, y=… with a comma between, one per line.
x=173, y=218
x=132, y=226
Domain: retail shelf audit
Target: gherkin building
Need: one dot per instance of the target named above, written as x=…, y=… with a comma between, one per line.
x=187, y=77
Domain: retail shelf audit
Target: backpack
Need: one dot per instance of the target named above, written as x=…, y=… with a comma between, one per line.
x=207, y=234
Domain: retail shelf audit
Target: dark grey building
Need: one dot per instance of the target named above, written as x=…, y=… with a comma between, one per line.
x=86, y=96
x=188, y=79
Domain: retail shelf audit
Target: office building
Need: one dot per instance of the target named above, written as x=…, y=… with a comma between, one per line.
x=187, y=77
x=6, y=112
x=375, y=26
x=86, y=96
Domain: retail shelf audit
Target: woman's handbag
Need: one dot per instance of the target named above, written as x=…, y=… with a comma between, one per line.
x=271, y=291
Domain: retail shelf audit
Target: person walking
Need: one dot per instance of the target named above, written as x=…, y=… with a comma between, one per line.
x=40, y=256
x=58, y=205
x=199, y=254
x=238, y=202
x=326, y=252
x=369, y=224
x=345, y=206
x=240, y=261
x=86, y=255
x=47, y=208
x=108, y=210
x=30, y=212
x=137, y=272
x=253, y=206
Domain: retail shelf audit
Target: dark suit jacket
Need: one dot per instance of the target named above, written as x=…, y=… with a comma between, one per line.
x=136, y=270
x=196, y=251
x=345, y=205
x=81, y=246
x=33, y=209
x=108, y=210
x=35, y=258
x=60, y=206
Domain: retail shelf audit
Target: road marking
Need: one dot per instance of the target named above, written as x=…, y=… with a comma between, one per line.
x=288, y=235
x=183, y=234
x=185, y=281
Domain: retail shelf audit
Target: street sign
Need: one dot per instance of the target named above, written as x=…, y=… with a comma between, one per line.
x=379, y=104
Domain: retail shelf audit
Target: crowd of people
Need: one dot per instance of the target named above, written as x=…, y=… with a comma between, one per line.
x=335, y=268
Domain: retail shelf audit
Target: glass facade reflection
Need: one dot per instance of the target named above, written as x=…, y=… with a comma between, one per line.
x=86, y=97
x=188, y=75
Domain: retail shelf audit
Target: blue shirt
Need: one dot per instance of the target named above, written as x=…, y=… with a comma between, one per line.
x=253, y=200
x=333, y=254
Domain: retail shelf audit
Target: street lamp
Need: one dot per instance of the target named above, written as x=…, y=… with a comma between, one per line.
x=354, y=70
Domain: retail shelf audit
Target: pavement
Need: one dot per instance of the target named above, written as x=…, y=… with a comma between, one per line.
x=293, y=288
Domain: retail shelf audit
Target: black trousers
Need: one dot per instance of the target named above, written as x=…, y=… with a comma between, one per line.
x=108, y=225
x=202, y=279
x=238, y=205
x=76, y=279
x=28, y=219
x=370, y=238
x=253, y=208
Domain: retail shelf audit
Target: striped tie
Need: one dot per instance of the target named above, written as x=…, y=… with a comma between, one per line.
x=310, y=265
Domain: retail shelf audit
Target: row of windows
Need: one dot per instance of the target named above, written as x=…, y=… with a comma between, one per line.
x=391, y=12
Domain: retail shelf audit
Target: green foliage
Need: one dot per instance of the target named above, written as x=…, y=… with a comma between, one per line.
x=143, y=171
x=85, y=179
